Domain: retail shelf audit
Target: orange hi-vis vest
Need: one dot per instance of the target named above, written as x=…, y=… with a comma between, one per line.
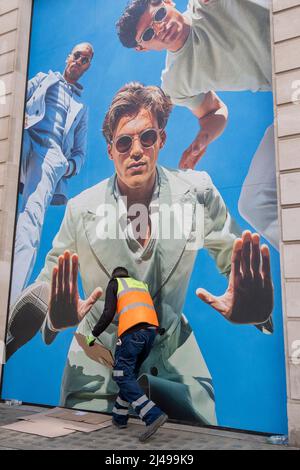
x=134, y=305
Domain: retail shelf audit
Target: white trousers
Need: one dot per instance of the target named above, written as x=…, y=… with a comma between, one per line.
x=258, y=199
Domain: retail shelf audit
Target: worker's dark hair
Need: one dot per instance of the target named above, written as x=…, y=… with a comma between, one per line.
x=119, y=272
x=127, y=24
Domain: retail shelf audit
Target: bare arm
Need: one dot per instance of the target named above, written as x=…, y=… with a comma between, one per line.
x=212, y=114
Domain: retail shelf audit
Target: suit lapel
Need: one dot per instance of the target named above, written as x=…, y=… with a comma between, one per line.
x=75, y=108
x=103, y=236
x=175, y=195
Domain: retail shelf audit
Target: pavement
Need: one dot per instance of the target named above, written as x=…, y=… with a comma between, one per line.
x=169, y=437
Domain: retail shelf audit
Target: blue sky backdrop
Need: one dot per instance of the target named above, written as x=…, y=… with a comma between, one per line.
x=247, y=367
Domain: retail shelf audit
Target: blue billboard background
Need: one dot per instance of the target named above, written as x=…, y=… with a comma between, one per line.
x=247, y=367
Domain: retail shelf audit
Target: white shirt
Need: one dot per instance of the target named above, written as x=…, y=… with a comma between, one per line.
x=228, y=49
x=142, y=254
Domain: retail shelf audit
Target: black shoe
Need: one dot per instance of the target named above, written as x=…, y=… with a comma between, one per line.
x=118, y=425
x=153, y=427
x=27, y=316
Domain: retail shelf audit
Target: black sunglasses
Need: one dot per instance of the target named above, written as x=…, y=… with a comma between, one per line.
x=148, y=138
x=158, y=16
x=84, y=59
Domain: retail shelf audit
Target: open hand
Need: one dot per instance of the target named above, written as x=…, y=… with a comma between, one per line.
x=249, y=296
x=66, y=309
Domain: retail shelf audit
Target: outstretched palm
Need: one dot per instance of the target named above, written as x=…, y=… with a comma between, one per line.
x=66, y=309
x=249, y=296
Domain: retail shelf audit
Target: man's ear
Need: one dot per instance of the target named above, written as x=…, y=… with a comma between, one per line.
x=109, y=151
x=163, y=138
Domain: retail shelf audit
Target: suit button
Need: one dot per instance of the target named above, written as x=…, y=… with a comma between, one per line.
x=154, y=371
x=37, y=113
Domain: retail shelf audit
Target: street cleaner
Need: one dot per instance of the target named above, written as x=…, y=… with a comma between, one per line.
x=129, y=305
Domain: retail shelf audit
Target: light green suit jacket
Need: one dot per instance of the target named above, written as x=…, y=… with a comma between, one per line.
x=175, y=374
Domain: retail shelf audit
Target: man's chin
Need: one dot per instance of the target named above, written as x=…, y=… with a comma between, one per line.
x=137, y=182
x=73, y=77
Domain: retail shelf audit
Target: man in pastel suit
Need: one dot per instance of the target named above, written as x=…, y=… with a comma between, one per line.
x=100, y=229
x=54, y=150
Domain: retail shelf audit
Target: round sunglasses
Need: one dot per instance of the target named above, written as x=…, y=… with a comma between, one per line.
x=157, y=17
x=147, y=138
x=84, y=59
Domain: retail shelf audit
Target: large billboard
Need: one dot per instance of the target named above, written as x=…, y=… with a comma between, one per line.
x=148, y=144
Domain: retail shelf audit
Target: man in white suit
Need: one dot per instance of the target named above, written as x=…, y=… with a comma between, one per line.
x=92, y=240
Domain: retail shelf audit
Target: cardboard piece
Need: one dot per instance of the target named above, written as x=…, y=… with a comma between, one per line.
x=97, y=352
x=40, y=428
x=72, y=415
x=93, y=418
x=59, y=422
x=87, y=418
x=66, y=424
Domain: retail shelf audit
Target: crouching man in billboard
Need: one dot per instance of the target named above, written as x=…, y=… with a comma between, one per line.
x=54, y=150
x=93, y=240
x=215, y=45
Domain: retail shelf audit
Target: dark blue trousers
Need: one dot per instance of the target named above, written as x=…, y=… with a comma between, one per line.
x=132, y=351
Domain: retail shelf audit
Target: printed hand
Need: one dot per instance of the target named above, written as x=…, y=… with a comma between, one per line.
x=66, y=309
x=194, y=152
x=249, y=296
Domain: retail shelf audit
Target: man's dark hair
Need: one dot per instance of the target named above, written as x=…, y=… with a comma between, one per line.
x=130, y=99
x=127, y=24
x=119, y=272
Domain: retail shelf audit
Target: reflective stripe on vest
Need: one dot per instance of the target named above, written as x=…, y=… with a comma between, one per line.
x=134, y=305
